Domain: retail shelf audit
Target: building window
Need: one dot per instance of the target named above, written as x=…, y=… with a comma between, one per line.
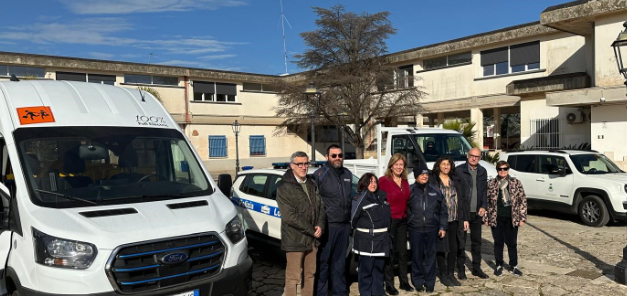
x=4, y=70
x=148, y=79
x=205, y=91
x=404, y=77
x=101, y=79
x=525, y=57
x=217, y=146
x=86, y=77
x=26, y=71
x=257, y=145
x=449, y=60
x=545, y=133
x=259, y=87
x=512, y=59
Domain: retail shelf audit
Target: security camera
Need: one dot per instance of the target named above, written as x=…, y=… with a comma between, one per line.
x=602, y=99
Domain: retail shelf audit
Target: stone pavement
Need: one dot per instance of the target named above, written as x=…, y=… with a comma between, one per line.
x=557, y=254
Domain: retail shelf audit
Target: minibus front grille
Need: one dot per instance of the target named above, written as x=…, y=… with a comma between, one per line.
x=165, y=263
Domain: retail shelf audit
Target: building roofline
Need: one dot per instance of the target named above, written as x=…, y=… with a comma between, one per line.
x=121, y=66
x=472, y=41
x=565, y=5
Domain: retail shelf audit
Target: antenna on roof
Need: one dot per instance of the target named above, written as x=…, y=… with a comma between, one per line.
x=14, y=78
x=283, y=18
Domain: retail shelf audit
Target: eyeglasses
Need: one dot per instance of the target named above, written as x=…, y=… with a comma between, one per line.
x=502, y=169
x=301, y=164
x=474, y=156
x=341, y=155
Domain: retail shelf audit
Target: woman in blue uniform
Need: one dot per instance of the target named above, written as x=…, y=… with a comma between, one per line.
x=371, y=217
x=427, y=219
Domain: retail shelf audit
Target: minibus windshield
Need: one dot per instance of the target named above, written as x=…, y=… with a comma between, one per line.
x=69, y=167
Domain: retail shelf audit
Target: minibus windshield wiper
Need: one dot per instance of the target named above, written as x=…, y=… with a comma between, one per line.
x=74, y=198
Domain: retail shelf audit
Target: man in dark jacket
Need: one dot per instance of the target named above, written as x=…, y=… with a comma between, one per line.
x=302, y=223
x=334, y=183
x=475, y=179
x=427, y=218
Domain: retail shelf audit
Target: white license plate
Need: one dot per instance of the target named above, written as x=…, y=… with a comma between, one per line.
x=190, y=293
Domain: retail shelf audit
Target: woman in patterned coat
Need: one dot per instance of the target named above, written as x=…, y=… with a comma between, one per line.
x=506, y=212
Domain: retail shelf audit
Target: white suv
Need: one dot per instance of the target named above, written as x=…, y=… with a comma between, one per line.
x=583, y=182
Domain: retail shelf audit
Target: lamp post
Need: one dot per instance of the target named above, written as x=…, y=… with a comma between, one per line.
x=314, y=94
x=620, y=48
x=236, y=128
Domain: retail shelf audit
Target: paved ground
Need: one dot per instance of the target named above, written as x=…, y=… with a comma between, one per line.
x=558, y=255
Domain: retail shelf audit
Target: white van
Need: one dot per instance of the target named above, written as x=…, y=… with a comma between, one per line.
x=102, y=194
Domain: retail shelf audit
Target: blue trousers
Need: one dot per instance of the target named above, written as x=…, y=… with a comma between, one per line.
x=371, y=275
x=332, y=260
x=423, y=247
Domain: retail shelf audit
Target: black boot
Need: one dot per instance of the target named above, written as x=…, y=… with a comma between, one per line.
x=455, y=282
x=406, y=287
x=461, y=274
x=445, y=280
x=391, y=290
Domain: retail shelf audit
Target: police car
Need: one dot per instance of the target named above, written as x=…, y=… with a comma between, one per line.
x=254, y=195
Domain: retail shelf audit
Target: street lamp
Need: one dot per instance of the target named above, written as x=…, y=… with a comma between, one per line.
x=620, y=48
x=313, y=112
x=236, y=127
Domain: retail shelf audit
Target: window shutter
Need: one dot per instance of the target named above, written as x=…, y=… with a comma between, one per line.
x=217, y=146
x=226, y=89
x=526, y=53
x=257, y=145
x=71, y=76
x=204, y=87
x=494, y=56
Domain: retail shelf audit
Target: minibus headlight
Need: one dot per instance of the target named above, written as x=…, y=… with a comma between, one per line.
x=58, y=252
x=235, y=230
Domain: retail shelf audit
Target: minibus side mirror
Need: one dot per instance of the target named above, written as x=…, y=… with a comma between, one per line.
x=5, y=197
x=225, y=183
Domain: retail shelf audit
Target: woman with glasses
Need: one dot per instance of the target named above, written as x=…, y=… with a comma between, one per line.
x=370, y=219
x=450, y=249
x=506, y=212
x=395, y=184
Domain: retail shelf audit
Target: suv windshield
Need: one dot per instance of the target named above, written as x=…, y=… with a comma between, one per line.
x=435, y=145
x=594, y=164
x=82, y=166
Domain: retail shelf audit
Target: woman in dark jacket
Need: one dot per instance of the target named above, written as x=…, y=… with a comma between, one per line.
x=370, y=220
x=450, y=250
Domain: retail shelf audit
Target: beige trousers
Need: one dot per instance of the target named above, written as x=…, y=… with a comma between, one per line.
x=300, y=263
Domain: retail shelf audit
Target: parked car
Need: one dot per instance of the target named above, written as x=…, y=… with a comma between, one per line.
x=582, y=182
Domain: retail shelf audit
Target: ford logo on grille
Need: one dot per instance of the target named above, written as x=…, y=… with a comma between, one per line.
x=173, y=258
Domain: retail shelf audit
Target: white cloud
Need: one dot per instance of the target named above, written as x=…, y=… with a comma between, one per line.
x=103, y=31
x=101, y=55
x=143, y=6
x=217, y=57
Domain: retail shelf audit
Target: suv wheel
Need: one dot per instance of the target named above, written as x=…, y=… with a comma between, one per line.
x=593, y=212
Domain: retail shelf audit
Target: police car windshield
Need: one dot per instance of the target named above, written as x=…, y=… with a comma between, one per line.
x=108, y=165
x=435, y=145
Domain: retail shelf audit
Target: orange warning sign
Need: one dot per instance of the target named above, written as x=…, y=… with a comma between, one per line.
x=37, y=114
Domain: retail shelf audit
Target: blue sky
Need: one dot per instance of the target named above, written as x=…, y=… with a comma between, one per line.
x=235, y=35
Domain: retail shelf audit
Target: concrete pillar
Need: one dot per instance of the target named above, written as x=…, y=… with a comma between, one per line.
x=497, y=128
x=440, y=118
x=419, y=120
x=476, y=116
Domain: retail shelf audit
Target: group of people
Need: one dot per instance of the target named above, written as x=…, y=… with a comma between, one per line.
x=319, y=214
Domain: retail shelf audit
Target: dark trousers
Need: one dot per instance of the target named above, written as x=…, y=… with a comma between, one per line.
x=505, y=233
x=398, y=230
x=332, y=260
x=371, y=275
x=476, y=222
x=455, y=257
x=423, y=246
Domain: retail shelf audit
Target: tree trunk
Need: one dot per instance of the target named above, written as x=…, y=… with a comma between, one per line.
x=359, y=151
